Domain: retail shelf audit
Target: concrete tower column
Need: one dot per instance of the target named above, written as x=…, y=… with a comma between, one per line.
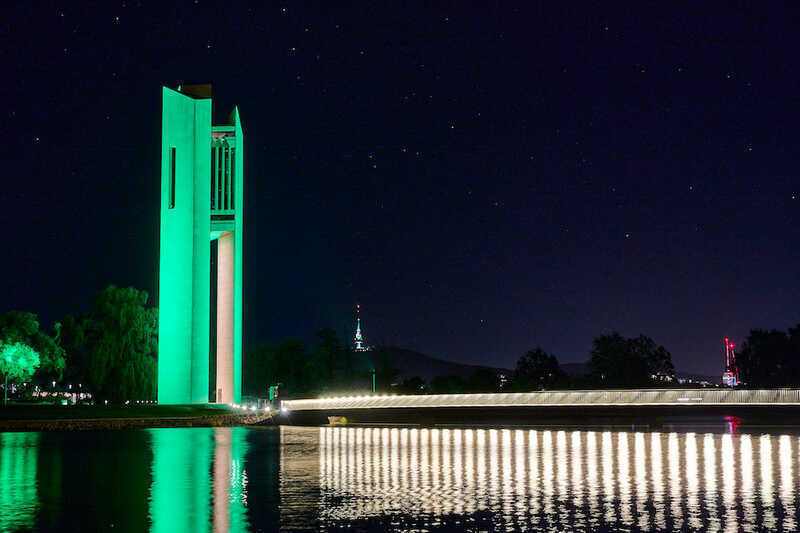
x=202, y=197
x=225, y=286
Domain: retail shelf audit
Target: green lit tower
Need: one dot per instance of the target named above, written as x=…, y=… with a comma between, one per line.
x=201, y=201
x=358, y=338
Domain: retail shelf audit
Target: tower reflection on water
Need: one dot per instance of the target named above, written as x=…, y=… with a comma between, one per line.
x=263, y=479
x=539, y=479
x=185, y=465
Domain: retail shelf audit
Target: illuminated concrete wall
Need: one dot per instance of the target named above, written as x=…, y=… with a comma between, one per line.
x=201, y=199
x=238, y=243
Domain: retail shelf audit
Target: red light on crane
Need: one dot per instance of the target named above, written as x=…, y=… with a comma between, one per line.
x=731, y=374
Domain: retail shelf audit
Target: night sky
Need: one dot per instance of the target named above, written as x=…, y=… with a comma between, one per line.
x=482, y=180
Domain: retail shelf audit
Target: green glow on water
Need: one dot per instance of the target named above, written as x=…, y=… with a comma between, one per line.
x=366, y=478
x=179, y=499
x=199, y=479
x=18, y=496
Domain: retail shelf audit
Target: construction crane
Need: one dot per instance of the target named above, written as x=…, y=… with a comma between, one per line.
x=730, y=378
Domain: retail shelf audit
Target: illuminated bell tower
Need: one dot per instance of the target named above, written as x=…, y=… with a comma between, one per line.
x=201, y=201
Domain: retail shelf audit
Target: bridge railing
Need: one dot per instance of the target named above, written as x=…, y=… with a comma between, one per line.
x=587, y=398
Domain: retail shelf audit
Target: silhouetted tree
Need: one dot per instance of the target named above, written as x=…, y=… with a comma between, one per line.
x=385, y=372
x=659, y=360
x=447, y=385
x=288, y=364
x=536, y=370
x=327, y=356
x=71, y=339
x=260, y=369
x=294, y=369
x=484, y=379
x=412, y=385
x=770, y=358
x=619, y=362
x=381, y=361
x=120, y=339
x=337, y=365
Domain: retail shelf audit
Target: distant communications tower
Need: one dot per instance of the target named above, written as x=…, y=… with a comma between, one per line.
x=730, y=378
x=358, y=339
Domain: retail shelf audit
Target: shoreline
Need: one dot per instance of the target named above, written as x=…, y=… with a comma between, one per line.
x=205, y=419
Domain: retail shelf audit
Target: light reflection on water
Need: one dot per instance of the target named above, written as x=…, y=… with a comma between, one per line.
x=240, y=479
x=186, y=464
x=170, y=480
x=18, y=501
x=544, y=480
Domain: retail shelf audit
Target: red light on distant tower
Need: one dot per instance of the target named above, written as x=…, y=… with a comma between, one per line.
x=730, y=377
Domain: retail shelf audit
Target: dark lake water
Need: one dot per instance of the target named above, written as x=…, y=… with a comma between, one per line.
x=242, y=479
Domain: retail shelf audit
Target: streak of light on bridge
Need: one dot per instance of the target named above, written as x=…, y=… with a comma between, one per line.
x=585, y=398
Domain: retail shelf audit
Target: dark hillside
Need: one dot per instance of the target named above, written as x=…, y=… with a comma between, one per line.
x=411, y=363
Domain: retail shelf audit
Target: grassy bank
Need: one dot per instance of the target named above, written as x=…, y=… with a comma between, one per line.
x=64, y=412
x=72, y=418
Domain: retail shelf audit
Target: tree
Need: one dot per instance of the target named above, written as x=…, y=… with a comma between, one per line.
x=260, y=369
x=658, y=359
x=447, y=385
x=770, y=358
x=484, y=379
x=412, y=385
x=536, y=370
x=18, y=362
x=288, y=364
x=120, y=337
x=23, y=327
x=292, y=367
x=381, y=362
x=385, y=372
x=327, y=354
x=72, y=339
x=619, y=362
x=337, y=365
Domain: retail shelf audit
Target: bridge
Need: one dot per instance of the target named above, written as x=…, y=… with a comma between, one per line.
x=601, y=406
